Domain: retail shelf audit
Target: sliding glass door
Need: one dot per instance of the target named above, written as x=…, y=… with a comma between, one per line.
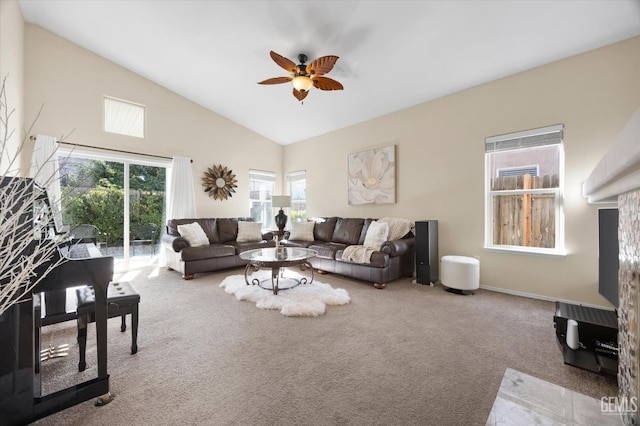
x=92, y=202
x=117, y=203
x=147, y=217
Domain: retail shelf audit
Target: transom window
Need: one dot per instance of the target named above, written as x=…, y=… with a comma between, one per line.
x=123, y=117
x=524, y=180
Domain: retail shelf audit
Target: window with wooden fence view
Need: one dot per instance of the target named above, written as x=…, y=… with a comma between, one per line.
x=524, y=197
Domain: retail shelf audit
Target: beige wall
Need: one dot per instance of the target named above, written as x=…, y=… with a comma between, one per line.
x=11, y=68
x=439, y=147
x=440, y=162
x=70, y=82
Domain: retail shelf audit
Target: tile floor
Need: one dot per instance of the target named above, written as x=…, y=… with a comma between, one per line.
x=526, y=400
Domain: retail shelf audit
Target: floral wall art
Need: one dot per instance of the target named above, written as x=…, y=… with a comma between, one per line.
x=372, y=176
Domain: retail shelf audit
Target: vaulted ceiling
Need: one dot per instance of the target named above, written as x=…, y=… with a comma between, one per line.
x=393, y=54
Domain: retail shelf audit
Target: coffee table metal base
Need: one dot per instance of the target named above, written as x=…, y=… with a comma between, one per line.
x=277, y=276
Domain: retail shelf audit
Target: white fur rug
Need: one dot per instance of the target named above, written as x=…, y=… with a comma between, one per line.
x=305, y=300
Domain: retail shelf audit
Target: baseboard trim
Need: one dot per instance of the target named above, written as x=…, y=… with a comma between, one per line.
x=540, y=297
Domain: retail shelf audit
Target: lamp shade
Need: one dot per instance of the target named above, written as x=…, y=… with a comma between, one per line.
x=302, y=83
x=281, y=201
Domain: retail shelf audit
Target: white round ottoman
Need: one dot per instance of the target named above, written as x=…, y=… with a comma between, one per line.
x=460, y=274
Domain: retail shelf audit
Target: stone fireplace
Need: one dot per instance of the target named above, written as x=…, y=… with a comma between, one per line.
x=617, y=177
x=629, y=285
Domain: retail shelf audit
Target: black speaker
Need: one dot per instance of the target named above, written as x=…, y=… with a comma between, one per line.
x=427, y=263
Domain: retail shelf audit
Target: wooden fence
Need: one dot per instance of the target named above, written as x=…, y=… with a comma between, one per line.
x=524, y=219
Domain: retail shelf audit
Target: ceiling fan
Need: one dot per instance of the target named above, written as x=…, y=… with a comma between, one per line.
x=304, y=76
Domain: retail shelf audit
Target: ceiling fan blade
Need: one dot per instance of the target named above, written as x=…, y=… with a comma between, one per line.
x=326, y=83
x=300, y=95
x=322, y=65
x=276, y=80
x=283, y=62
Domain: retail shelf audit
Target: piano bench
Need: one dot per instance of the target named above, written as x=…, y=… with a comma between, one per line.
x=122, y=299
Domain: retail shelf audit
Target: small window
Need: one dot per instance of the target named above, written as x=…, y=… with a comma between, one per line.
x=260, y=192
x=123, y=118
x=524, y=201
x=297, y=182
x=518, y=171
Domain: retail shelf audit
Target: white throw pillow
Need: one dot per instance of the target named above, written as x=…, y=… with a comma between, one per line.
x=194, y=234
x=377, y=234
x=302, y=231
x=249, y=231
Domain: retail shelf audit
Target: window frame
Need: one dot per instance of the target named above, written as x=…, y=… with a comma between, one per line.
x=292, y=177
x=127, y=159
x=266, y=205
x=559, y=250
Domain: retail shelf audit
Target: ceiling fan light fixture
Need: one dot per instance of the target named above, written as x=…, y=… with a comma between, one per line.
x=303, y=76
x=302, y=83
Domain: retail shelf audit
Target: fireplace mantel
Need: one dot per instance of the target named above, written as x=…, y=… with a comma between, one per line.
x=618, y=171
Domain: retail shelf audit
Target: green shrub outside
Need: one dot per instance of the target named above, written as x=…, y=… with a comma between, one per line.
x=298, y=215
x=102, y=204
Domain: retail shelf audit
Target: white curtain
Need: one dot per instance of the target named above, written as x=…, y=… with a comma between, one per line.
x=182, y=196
x=46, y=172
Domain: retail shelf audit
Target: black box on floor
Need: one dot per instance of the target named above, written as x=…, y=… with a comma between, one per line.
x=594, y=325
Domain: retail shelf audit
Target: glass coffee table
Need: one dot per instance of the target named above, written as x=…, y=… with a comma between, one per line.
x=277, y=259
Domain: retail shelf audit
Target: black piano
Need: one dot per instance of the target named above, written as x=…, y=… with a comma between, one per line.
x=21, y=401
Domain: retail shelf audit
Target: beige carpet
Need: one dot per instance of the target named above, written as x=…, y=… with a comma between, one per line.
x=406, y=355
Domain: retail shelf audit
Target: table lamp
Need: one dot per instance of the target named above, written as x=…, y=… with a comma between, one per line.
x=281, y=201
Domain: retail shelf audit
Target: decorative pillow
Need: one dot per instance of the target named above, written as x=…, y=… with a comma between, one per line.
x=249, y=231
x=347, y=231
x=302, y=231
x=194, y=234
x=323, y=231
x=376, y=235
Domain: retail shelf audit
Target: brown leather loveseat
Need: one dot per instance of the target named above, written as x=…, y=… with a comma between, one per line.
x=222, y=252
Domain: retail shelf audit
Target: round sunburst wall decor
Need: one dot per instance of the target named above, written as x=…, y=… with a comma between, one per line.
x=219, y=182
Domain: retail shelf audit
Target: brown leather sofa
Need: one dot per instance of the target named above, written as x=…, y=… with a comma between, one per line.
x=331, y=236
x=221, y=253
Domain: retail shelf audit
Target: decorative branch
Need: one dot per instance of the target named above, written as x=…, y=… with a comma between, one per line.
x=27, y=250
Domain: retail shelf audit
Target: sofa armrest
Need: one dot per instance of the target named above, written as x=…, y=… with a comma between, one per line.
x=398, y=247
x=174, y=242
x=267, y=236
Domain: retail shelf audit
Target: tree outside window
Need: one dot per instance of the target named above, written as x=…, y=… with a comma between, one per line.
x=94, y=194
